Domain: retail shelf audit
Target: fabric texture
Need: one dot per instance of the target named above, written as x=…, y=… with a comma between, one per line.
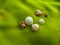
x=14, y=11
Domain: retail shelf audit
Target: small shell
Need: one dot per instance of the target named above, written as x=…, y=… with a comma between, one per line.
x=35, y=27
x=38, y=13
x=22, y=24
x=29, y=20
x=46, y=15
x=41, y=21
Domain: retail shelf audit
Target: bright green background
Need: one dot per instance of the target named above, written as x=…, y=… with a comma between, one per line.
x=13, y=11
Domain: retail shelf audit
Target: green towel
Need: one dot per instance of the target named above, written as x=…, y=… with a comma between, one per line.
x=14, y=11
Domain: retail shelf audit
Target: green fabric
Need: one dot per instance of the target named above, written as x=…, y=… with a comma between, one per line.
x=14, y=11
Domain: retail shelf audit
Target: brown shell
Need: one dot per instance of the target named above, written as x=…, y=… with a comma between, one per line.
x=37, y=13
x=22, y=24
x=46, y=15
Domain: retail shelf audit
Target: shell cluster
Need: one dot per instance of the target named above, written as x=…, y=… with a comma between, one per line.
x=29, y=21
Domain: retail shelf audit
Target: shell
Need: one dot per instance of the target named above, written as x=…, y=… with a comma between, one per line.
x=35, y=27
x=29, y=20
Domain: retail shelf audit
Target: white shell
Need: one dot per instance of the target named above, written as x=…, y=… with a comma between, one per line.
x=41, y=21
x=29, y=20
x=35, y=27
x=38, y=12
